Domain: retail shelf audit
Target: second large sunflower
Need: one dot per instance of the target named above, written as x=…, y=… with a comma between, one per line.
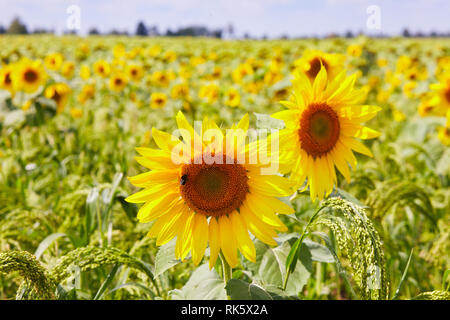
x=322, y=122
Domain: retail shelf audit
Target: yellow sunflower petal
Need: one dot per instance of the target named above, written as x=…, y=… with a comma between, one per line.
x=214, y=241
x=154, y=209
x=164, y=140
x=155, y=163
x=260, y=207
x=366, y=133
x=190, y=137
x=357, y=146
x=199, y=238
x=290, y=117
x=271, y=185
x=320, y=83
x=151, y=193
x=258, y=228
x=184, y=238
x=243, y=240
x=160, y=177
x=228, y=241
x=170, y=228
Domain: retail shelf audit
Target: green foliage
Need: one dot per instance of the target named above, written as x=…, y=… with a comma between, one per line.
x=63, y=184
x=359, y=242
x=90, y=257
x=30, y=269
x=204, y=284
x=433, y=295
x=399, y=194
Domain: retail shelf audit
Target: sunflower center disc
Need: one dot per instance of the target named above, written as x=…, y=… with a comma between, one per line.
x=319, y=129
x=8, y=79
x=56, y=97
x=447, y=95
x=314, y=67
x=214, y=189
x=30, y=76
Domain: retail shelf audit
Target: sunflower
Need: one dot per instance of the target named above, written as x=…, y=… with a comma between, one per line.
x=354, y=50
x=85, y=72
x=312, y=60
x=5, y=78
x=102, y=68
x=54, y=61
x=205, y=202
x=215, y=74
x=158, y=100
x=135, y=72
x=272, y=76
x=59, y=93
x=444, y=132
x=119, y=50
x=322, y=121
x=243, y=70
x=170, y=56
x=87, y=92
x=154, y=51
x=67, y=69
x=118, y=82
x=232, y=97
x=161, y=78
x=441, y=96
x=28, y=76
x=209, y=92
x=180, y=91
x=76, y=113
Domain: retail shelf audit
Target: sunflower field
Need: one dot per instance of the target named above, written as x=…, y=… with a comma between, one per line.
x=93, y=205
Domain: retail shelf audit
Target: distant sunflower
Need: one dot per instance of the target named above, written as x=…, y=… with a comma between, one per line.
x=135, y=72
x=232, y=97
x=68, y=69
x=201, y=201
x=312, y=60
x=161, y=78
x=87, y=92
x=85, y=72
x=54, y=61
x=441, y=96
x=59, y=93
x=180, y=91
x=102, y=68
x=355, y=50
x=118, y=82
x=322, y=121
x=444, y=132
x=28, y=76
x=209, y=92
x=158, y=100
x=5, y=78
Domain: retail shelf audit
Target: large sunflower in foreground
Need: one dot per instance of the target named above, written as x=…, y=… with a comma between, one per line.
x=322, y=122
x=203, y=200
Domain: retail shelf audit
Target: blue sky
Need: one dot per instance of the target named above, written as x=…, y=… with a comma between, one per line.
x=257, y=17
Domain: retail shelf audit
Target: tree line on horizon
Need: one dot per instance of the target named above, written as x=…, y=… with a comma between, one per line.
x=18, y=27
